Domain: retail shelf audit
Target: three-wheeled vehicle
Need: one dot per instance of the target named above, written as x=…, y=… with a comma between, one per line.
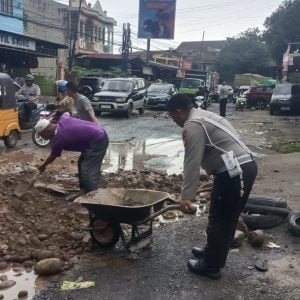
x=9, y=122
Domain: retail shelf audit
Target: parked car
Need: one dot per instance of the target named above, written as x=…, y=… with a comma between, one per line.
x=121, y=95
x=159, y=94
x=286, y=97
x=259, y=96
x=88, y=86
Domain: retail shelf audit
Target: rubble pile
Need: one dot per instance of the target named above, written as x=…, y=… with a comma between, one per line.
x=41, y=225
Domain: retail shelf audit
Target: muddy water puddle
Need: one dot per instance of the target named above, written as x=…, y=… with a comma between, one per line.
x=165, y=155
x=25, y=281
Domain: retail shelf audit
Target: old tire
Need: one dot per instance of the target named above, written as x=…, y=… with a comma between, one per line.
x=11, y=140
x=263, y=221
x=294, y=224
x=107, y=236
x=38, y=140
x=267, y=201
x=129, y=110
x=266, y=210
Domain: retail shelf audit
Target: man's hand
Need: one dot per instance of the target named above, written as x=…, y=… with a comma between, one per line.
x=42, y=168
x=187, y=207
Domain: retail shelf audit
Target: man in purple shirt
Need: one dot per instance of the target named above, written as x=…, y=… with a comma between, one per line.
x=80, y=136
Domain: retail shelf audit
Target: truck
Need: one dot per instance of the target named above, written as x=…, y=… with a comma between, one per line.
x=249, y=79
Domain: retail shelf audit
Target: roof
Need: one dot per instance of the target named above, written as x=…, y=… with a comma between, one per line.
x=197, y=45
x=98, y=6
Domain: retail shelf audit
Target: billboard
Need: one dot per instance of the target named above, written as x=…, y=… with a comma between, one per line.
x=156, y=19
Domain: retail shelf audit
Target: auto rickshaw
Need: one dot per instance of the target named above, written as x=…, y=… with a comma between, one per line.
x=9, y=122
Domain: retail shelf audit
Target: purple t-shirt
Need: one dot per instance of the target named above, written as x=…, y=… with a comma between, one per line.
x=74, y=135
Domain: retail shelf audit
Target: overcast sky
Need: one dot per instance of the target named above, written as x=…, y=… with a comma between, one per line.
x=218, y=18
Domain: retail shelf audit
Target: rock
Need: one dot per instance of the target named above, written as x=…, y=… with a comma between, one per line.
x=76, y=236
x=3, y=278
x=22, y=294
x=7, y=284
x=48, y=266
x=180, y=214
x=242, y=226
x=148, y=183
x=42, y=236
x=1, y=297
x=44, y=254
x=238, y=239
x=28, y=264
x=169, y=215
x=256, y=238
x=3, y=265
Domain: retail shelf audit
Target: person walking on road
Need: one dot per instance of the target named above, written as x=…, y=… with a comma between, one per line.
x=83, y=105
x=209, y=140
x=80, y=136
x=224, y=92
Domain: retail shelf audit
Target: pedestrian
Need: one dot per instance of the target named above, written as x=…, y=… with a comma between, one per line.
x=224, y=92
x=83, y=105
x=208, y=139
x=31, y=93
x=80, y=136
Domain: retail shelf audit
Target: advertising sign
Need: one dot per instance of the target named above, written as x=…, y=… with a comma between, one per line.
x=11, y=40
x=156, y=19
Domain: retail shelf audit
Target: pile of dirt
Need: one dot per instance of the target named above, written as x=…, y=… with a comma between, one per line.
x=42, y=225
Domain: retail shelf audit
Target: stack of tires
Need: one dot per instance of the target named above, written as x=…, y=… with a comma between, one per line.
x=267, y=212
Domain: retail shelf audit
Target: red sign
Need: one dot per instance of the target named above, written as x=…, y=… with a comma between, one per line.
x=187, y=64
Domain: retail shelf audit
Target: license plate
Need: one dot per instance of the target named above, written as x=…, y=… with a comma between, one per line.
x=105, y=106
x=285, y=108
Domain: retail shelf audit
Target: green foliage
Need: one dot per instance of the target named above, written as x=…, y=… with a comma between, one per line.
x=47, y=85
x=289, y=147
x=282, y=27
x=245, y=53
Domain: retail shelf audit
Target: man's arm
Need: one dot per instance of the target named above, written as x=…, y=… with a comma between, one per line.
x=37, y=92
x=194, y=139
x=50, y=159
x=92, y=116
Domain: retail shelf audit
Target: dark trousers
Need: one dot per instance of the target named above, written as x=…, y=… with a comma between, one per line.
x=28, y=108
x=89, y=165
x=226, y=205
x=223, y=103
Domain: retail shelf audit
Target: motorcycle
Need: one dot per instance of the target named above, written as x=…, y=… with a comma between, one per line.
x=202, y=101
x=240, y=103
x=35, y=115
x=49, y=113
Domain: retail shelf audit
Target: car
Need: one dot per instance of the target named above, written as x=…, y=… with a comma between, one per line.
x=259, y=96
x=90, y=85
x=286, y=97
x=121, y=95
x=159, y=94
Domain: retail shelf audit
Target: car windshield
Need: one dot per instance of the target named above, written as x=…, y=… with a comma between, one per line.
x=190, y=83
x=117, y=86
x=158, y=88
x=88, y=81
x=282, y=89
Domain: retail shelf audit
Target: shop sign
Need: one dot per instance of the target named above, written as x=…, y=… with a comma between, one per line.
x=11, y=40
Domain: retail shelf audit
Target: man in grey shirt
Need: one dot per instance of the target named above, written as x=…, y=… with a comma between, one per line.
x=206, y=136
x=83, y=105
x=224, y=92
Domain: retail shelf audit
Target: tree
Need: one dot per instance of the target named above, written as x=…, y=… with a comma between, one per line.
x=282, y=27
x=245, y=53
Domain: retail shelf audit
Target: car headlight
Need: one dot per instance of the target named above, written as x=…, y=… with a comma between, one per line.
x=120, y=100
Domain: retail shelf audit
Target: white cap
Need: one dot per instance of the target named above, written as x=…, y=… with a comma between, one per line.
x=41, y=125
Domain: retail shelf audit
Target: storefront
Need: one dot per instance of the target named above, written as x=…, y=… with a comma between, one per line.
x=19, y=53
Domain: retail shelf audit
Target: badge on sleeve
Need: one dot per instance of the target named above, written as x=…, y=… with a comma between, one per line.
x=185, y=137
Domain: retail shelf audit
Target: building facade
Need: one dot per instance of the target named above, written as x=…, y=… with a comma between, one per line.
x=95, y=30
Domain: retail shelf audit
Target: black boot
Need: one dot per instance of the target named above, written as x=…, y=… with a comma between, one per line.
x=198, y=252
x=198, y=267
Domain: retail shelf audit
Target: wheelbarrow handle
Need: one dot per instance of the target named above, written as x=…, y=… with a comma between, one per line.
x=153, y=216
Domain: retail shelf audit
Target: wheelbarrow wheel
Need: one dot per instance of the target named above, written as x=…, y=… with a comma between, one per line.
x=105, y=234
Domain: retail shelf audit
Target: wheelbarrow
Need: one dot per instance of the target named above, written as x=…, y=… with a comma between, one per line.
x=110, y=207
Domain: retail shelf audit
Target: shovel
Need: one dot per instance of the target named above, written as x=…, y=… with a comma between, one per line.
x=23, y=186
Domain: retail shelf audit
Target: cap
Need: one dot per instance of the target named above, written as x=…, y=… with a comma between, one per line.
x=41, y=125
x=28, y=77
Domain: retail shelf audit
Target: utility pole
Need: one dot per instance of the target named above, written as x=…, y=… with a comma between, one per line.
x=148, y=51
x=73, y=33
x=201, y=50
x=126, y=46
